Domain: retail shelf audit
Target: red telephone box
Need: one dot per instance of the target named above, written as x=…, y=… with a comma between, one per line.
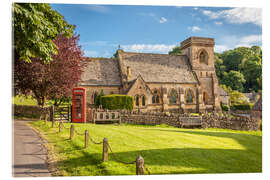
x=78, y=105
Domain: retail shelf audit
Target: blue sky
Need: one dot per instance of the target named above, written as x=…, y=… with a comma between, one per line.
x=158, y=29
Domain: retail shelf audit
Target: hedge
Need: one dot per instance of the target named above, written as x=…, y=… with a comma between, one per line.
x=116, y=101
x=241, y=107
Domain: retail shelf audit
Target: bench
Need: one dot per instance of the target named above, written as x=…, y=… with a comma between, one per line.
x=107, y=117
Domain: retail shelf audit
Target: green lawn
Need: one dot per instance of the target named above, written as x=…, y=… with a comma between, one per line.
x=24, y=100
x=30, y=101
x=166, y=150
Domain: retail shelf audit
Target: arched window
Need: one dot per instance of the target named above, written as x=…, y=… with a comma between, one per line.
x=203, y=57
x=205, y=98
x=173, y=96
x=155, y=98
x=189, y=96
x=136, y=100
x=143, y=100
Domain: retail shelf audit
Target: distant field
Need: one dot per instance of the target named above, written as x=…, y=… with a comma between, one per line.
x=22, y=100
x=30, y=101
x=166, y=150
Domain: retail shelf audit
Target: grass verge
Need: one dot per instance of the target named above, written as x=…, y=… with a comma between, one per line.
x=166, y=150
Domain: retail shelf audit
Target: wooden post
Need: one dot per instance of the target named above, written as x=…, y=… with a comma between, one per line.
x=61, y=126
x=86, y=137
x=105, y=150
x=71, y=132
x=46, y=118
x=139, y=165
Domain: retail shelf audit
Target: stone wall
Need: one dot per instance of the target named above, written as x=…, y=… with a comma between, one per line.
x=224, y=121
x=153, y=118
x=230, y=122
x=29, y=111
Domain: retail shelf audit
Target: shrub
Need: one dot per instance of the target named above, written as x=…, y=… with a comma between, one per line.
x=98, y=98
x=224, y=107
x=241, y=107
x=117, y=101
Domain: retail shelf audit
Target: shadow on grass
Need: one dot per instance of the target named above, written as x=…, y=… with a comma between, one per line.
x=187, y=160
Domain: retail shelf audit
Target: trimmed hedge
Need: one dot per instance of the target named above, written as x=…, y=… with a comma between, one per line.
x=241, y=107
x=116, y=101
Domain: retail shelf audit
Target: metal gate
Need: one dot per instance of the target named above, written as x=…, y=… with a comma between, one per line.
x=62, y=113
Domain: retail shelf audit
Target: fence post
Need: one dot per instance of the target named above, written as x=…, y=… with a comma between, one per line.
x=61, y=126
x=71, y=132
x=139, y=165
x=86, y=137
x=105, y=150
x=46, y=118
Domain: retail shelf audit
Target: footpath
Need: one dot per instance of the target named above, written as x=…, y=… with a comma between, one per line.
x=29, y=154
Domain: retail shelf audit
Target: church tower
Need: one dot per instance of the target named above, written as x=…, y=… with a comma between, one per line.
x=200, y=52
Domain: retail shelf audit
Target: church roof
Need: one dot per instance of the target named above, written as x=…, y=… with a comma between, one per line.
x=161, y=68
x=101, y=72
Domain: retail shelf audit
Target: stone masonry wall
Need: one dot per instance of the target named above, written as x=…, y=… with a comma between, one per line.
x=175, y=119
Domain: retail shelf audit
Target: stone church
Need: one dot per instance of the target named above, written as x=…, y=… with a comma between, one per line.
x=158, y=82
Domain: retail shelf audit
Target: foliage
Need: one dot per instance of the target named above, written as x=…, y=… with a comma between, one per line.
x=224, y=107
x=53, y=80
x=228, y=89
x=166, y=150
x=117, y=101
x=238, y=98
x=252, y=70
x=234, y=79
x=175, y=51
x=220, y=68
x=35, y=26
x=24, y=100
x=97, y=100
x=247, y=106
x=244, y=60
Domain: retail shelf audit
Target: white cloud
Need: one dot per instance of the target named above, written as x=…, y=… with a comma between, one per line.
x=237, y=15
x=163, y=20
x=250, y=40
x=194, y=28
x=155, y=17
x=218, y=23
x=157, y=48
x=232, y=42
x=195, y=8
x=220, y=48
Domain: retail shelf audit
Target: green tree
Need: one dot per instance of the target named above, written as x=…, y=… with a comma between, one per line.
x=220, y=68
x=35, y=26
x=252, y=70
x=235, y=80
x=232, y=59
x=175, y=51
